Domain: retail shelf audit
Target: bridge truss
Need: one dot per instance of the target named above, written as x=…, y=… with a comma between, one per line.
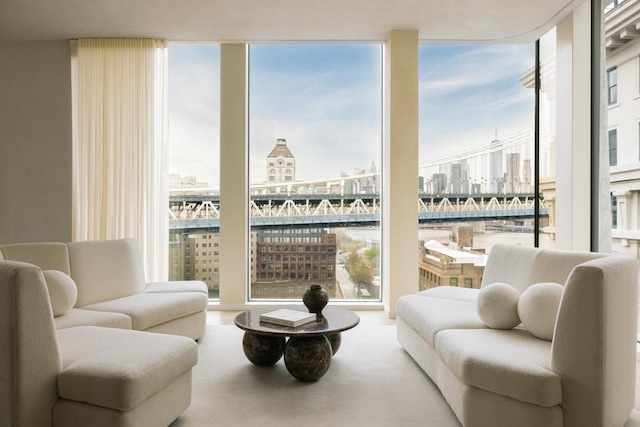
x=330, y=210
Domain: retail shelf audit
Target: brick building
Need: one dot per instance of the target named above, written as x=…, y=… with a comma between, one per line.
x=288, y=260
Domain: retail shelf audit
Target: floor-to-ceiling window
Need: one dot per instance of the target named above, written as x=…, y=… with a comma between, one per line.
x=547, y=138
x=315, y=130
x=476, y=165
x=194, y=181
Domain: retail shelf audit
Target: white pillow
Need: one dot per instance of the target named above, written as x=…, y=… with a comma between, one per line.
x=497, y=306
x=538, y=308
x=63, y=291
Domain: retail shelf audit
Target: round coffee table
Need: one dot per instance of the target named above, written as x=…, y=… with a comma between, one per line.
x=307, y=352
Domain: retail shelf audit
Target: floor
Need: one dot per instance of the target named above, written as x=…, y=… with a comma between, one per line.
x=375, y=317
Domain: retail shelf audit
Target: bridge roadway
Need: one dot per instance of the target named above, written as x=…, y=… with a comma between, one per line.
x=192, y=211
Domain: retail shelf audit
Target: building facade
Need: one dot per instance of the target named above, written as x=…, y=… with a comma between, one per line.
x=196, y=256
x=281, y=164
x=288, y=260
x=622, y=41
x=439, y=265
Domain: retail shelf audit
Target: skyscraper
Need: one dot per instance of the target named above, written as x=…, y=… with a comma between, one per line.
x=456, y=178
x=513, y=173
x=495, y=166
x=526, y=176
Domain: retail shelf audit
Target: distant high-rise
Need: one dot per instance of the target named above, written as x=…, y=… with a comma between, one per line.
x=495, y=166
x=456, y=178
x=464, y=176
x=513, y=173
x=526, y=176
x=438, y=183
x=281, y=164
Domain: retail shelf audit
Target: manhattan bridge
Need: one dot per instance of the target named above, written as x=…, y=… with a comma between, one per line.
x=334, y=203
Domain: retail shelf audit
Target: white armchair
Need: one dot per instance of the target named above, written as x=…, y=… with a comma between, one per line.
x=86, y=375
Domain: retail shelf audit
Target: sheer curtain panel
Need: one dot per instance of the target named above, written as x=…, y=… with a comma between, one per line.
x=120, y=178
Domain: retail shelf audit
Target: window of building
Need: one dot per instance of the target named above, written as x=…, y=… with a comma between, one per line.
x=614, y=212
x=612, y=82
x=613, y=147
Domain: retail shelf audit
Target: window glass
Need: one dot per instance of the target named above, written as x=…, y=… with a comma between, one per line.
x=613, y=147
x=612, y=77
x=547, y=135
x=315, y=137
x=194, y=141
x=476, y=163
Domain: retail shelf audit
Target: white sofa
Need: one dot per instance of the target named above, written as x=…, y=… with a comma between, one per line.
x=584, y=376
x=111, y=287
x=85, y=375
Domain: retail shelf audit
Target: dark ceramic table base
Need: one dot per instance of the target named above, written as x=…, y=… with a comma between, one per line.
x=310, y=347
x=307, y=358
x=262, y=350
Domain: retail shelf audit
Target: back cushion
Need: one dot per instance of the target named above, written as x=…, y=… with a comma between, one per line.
x=46, y=255
x=510, y=264
x=106, y=269
x=555, y=266
x=521, y=266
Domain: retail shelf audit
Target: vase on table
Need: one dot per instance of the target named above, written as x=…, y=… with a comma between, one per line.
x=315, y=298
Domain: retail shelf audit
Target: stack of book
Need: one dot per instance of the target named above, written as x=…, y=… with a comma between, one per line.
x=286, y=317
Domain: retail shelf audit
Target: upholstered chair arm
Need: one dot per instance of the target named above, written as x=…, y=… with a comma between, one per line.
x=594, y=344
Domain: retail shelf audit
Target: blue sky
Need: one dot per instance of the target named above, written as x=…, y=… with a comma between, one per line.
x=326, y=101
x=466, y=92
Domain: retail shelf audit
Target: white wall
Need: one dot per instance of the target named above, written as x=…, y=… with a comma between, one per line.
x=35, y=142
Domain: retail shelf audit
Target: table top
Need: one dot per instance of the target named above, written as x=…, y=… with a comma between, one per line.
x=335, y=319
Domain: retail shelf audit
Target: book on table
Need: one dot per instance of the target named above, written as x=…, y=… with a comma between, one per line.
x=286, y=317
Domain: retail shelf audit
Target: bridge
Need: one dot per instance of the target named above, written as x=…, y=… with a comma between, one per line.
x=190, y=210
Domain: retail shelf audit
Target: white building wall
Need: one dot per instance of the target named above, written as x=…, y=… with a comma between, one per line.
x=624, y=117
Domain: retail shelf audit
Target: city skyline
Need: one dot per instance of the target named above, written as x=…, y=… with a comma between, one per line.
x=466, y=92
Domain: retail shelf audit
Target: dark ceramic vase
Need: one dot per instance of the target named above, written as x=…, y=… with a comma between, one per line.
x=315, y=298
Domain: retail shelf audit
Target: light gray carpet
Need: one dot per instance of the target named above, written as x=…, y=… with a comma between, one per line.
x=371, y=382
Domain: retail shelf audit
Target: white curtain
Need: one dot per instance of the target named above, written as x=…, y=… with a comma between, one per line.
x=120, y=177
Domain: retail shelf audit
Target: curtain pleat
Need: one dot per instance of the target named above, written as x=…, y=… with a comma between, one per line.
x=120, y=146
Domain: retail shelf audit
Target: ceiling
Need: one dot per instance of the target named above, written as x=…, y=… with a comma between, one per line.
x=281, y=20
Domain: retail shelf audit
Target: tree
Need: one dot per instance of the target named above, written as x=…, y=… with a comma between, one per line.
x=359, y=269
x=373, y=258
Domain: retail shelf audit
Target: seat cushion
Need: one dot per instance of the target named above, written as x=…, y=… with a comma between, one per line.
x=120, y=369
x=511, y=363
x=429, y=315
x=150, y=309
x=452, y=292
x=80, y=317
